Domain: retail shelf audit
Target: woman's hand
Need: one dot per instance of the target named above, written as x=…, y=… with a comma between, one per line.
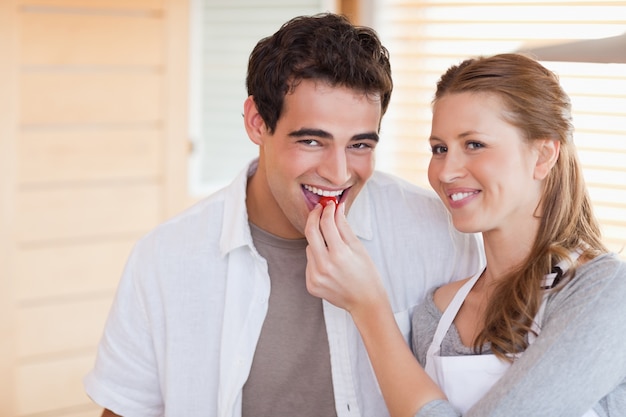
x=339, y=269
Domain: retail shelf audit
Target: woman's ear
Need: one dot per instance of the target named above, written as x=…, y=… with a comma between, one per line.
x=547, y=155
x=255, y=126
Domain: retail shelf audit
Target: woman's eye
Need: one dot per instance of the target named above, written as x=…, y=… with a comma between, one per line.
x=474, y=145
x=438, y=149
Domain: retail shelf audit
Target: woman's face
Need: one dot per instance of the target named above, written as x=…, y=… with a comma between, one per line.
x=482, y=167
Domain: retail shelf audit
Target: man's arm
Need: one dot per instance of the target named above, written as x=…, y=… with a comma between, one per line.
x=109, y=413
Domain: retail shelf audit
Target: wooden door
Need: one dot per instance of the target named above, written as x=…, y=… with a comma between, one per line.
x=93, y=141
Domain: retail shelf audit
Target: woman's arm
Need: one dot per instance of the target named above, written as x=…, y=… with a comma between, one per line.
x=405, y=385
x=577, y=359
x=340, y=270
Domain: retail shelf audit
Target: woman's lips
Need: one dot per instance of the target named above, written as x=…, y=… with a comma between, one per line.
x=458, y=199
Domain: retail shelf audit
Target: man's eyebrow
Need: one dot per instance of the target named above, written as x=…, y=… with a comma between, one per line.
x=366, y=136
x=311, y=132
x=324, y=134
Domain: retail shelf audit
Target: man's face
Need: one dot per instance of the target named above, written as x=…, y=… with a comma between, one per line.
x=323, y=144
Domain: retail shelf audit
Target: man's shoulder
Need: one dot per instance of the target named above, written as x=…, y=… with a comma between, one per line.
x=209, y=210
x=395, y=204
x=205, y=215
x=201, y=211
x=384, y=181
x=396, y=193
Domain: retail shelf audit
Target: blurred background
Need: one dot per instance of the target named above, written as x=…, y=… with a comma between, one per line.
x=117, y=114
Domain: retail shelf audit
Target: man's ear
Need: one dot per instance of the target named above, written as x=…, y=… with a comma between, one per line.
x=547, y=155
x=255, y=126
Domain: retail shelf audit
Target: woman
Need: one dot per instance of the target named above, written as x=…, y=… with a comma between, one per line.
x=541, y=331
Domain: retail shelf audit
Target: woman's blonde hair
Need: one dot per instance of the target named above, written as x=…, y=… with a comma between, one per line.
x=537, y=105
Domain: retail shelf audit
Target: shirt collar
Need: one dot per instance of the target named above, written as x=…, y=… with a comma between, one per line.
x=235, y=230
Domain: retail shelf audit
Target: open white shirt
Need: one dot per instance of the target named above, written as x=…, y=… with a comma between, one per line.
x=181, y=334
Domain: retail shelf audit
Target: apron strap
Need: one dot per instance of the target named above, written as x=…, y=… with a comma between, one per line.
x=450, y=313
x=550, y=281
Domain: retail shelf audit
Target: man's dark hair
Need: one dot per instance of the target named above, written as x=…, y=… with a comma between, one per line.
x=324, y=47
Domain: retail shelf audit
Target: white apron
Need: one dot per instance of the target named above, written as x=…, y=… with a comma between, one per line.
x=466, y=379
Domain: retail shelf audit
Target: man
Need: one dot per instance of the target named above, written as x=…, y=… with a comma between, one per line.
x=212, y=316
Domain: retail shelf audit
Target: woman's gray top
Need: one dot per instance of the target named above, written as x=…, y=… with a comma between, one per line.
x=578, y=361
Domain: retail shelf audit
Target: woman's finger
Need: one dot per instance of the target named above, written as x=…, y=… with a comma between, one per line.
x=329, y=229
x=343, y=227
x=313, y=233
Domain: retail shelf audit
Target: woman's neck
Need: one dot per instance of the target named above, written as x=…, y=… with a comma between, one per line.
x=505, y=251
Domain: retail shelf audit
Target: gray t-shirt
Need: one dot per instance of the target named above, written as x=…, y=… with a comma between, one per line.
x=578, y=361
x=290, y=374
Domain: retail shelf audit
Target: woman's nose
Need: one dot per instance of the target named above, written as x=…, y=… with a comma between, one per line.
x=452, y=167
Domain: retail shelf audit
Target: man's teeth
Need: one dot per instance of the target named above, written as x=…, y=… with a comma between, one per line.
x=461, y=196
x=323, y=193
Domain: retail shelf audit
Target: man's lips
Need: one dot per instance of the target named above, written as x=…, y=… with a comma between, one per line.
x=317, y=195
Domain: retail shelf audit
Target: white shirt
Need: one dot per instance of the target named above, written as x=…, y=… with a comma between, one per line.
x=181, y=334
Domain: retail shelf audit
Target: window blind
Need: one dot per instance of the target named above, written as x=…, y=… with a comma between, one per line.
x=223, y=34
x=426, y=37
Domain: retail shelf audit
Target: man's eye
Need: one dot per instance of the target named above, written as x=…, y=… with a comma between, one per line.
x=361, y=145
x=438, y=149
x=309, y=142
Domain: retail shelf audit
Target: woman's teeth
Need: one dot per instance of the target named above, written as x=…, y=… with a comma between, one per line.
x=460, y=196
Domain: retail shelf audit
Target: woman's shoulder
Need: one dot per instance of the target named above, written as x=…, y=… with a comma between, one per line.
x=442, y=296
x=601, y=278
x=608, y=266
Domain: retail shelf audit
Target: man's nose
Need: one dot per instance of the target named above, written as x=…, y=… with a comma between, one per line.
x=334, y=167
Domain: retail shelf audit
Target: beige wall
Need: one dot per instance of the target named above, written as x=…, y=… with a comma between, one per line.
x=93, y=108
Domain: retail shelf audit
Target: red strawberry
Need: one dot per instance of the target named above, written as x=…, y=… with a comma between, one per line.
x=327, y=199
